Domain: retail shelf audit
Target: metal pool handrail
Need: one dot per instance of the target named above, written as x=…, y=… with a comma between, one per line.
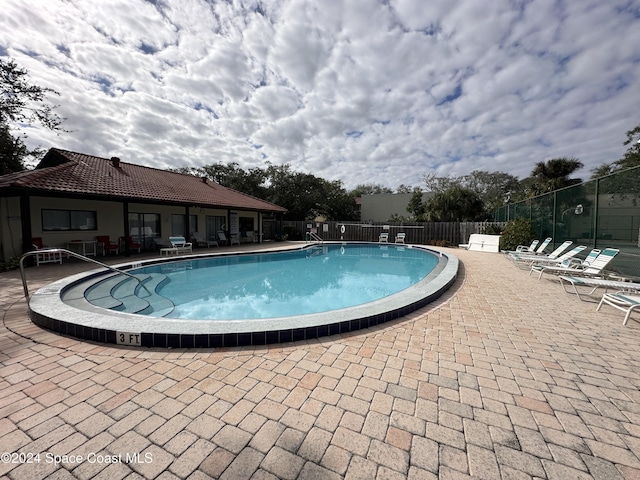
x=73, y=254
x=316, y=237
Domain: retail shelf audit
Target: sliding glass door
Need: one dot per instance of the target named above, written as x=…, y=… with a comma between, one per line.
x=143, y=228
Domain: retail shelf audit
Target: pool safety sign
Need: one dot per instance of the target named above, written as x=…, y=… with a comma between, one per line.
x=129, y=338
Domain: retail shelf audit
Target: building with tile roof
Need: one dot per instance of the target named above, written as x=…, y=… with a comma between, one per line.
x=72, y=196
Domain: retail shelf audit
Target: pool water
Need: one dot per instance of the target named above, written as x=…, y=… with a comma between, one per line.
x=292, y=283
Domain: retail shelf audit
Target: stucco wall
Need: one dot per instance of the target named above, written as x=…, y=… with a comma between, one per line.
x=379, y=208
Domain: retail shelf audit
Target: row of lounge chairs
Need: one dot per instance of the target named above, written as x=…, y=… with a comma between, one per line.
x=581, y=277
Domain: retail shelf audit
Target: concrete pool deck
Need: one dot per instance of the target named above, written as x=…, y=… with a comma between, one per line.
x=504, y=376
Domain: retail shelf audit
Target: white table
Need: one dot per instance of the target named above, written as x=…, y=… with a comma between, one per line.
x=84, y=247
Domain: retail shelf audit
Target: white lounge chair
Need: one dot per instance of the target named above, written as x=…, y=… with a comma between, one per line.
x=160, y=243
x=179, y=246
x=524, y=248
x=530, y=259
x=543, y=245
x=400, y=237
x=563, y=260
x=383, y=238
x=592, y=268
x=571, y=284
x=622, y=301
x=566, y=263
x=200, y=241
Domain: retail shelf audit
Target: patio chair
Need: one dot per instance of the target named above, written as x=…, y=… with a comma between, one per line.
x=400, y=237
x=181, y=245
x=201, y=242
x=45, y=257
x=571, y=284
x=223, y=238
x=543, y=245
x=105, y=243
x=622, y=301
x=524, y=248
x=383, y=238
x=528, y=258
x=590, y=267
x=123, y=242
x=160, y=243
x=566, y=263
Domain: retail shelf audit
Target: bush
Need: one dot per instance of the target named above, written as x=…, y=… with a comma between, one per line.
x=491, y=229
x=441, y=243
x=11, y=264
x=517, y=232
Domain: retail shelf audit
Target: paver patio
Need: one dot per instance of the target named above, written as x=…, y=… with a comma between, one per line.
x=504, y=377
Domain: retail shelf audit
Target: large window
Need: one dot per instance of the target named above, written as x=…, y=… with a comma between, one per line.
x=61, y=220
x=214, y=225
x=144, y=227
x=178, y=226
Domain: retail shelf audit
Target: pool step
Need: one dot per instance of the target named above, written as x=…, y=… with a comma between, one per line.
x=158, y=305
x=124, y=294
x=101, y=294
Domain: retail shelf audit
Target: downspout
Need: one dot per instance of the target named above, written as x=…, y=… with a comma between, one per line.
x=187, y=234
x=25, y=222
x=125, y=213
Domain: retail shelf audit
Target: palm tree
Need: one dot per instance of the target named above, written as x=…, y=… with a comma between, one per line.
x=554, y=174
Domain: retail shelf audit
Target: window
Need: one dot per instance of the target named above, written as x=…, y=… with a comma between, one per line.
x=246, y=225
x=214, y=225
x=177, y=225
x=144, y=227
x=60, y=220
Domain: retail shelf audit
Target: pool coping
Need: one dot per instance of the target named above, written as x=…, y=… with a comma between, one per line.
x=48, y=310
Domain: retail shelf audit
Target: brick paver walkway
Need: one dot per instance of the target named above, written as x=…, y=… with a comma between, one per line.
x=505, y=377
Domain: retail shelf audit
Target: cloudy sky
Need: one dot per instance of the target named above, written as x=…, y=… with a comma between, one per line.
x=363, y=91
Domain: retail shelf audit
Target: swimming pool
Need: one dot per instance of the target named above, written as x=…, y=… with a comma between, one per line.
x=246, y=299
x=283, y=284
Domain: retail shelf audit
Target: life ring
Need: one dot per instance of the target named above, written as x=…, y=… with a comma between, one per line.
x=342, y=229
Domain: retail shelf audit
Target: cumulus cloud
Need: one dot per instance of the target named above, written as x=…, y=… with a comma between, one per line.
x=357, y=91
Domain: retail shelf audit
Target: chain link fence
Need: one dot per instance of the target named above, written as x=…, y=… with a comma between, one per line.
x=599, y=213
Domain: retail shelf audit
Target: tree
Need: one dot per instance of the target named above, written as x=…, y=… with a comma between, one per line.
x=456, y=204
x=631, y=157
x=554, y=174
x=416, y=206
x=369, y=189
x=437, y=184
x=402, y=188
x=12, y=151
x=307, y=196
x=494, y=188
x=21, y=102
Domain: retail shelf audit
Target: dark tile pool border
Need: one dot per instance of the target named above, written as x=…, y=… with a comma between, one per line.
x=84, y=321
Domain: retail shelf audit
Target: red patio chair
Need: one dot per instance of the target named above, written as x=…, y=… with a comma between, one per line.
x=132, y=245
x=105, y=243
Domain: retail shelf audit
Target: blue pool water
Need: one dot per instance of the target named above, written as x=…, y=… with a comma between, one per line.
x=271, y=285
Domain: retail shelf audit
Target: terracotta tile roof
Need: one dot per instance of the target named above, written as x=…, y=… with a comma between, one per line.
x=62, y=171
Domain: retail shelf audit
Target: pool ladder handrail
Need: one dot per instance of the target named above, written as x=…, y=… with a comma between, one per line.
x=315, y=237
x=73, y=254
